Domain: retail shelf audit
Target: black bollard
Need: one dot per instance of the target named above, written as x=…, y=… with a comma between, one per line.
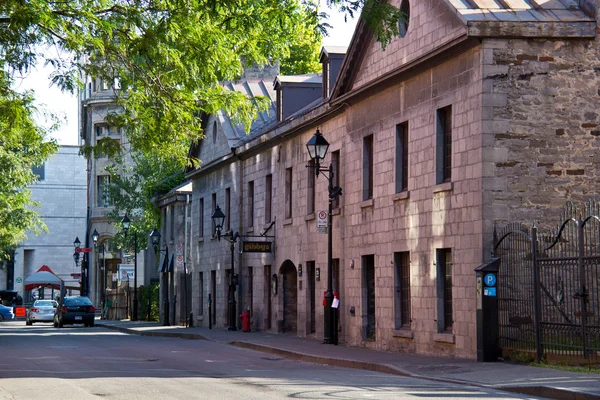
x=149, y=308
x=191, y=320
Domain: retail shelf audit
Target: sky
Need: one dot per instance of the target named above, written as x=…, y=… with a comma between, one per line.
x=65, y=104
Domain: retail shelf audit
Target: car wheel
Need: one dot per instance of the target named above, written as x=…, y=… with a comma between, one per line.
x=91, y=324
x=1, y=317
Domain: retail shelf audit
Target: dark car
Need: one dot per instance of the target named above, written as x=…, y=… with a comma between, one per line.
x=10, y=298
x=74, y=310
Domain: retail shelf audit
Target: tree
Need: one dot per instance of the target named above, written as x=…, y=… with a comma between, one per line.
x=22, y=146
x=165, y=58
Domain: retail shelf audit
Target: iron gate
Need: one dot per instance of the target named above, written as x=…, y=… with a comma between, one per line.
x=548, y=287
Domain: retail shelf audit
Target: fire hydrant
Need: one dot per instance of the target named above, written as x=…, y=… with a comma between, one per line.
x=246, y=320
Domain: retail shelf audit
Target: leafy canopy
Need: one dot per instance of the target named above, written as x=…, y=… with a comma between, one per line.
x=166, y=60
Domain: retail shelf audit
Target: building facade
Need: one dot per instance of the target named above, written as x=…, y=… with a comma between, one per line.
x=61, y=194
x=472, y=117
x=96, y=102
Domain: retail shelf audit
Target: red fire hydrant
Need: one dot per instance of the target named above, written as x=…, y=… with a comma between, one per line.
x=246, y=320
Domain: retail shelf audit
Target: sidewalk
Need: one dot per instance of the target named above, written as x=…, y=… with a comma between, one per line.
x=542, y=382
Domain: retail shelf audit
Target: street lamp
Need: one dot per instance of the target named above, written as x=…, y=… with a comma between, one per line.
x=218, y=218
x=155, y=239
x=125, y=224
x=317, y=149
x=76, y=255
x=95, y=238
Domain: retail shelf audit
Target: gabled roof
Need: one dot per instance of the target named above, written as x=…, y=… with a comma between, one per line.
x=252, y=88
x=525, y=18
x=488, y=18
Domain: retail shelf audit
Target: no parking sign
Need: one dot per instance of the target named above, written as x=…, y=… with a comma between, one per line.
x=322, y=222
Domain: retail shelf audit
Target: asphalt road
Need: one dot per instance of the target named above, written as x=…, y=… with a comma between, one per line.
x=42, y=362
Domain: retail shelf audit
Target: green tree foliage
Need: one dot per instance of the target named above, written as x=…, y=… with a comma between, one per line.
x=169, y=58
x=22, y=146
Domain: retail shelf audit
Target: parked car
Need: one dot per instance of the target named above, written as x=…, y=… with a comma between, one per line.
x=6, y=313
x=10, y=298
x=41, y=311
x=74, y=310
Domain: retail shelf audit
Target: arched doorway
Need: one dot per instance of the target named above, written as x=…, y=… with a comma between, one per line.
x=289, y=292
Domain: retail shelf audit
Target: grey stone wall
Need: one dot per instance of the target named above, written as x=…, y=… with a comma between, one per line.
x=542, y=127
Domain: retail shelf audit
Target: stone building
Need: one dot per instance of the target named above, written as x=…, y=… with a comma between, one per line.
x=173, y=255
x=96, y=102
x=480, y=113
x=61, y=193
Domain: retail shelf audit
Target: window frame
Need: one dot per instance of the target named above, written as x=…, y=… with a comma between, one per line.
x=444, y=145
x=368, y=167
x=402, y=164
x=444, y=290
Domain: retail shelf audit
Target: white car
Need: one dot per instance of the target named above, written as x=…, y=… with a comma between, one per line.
x=41, y=311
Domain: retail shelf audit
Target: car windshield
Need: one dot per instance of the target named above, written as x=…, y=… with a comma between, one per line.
x=77, y=301
x=44, y=303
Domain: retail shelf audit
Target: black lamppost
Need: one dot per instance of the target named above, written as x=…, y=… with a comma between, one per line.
x=218, y=218
x=125, y=224
x=95, y=238
x=317, y=149
x=155, y=238
x=76, y=255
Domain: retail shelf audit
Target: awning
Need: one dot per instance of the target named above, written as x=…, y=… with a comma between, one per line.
x=44, y=277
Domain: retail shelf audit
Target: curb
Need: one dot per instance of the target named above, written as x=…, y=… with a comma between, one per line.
x=538, y=391
x=190, y=336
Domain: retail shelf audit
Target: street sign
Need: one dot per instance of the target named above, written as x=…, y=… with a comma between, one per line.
x=257, y=247
x=490, y=279
x=322, y=222
x=83, y=250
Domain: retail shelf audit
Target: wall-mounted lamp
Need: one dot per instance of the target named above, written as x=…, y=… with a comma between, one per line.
x=351, y=263
x=299, y=269
x=318, y=274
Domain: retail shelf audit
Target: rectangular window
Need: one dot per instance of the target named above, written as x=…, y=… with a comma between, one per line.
x=310, y=190
x=39, y=171
x=402, y=157
x=172, y=222
x=104, y=84
x=288, y=193
x=402, y=290
x=201, y=292
x=444, y=145
x=214, y=207
x=101, y=130
x=368, y=167
x=268, y=198
x=201, y=219
x=250, y=204
x=94, y=85
x=335, y=161
x=103, y=191
x=227, y=210
x=444, y=289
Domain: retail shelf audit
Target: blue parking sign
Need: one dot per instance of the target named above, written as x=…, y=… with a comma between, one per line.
x=490, y=280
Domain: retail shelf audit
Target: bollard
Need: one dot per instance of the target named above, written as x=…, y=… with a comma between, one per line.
x=191, y=320
x=149, y=307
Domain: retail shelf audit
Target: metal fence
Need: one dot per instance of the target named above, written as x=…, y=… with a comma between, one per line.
x=548, y=287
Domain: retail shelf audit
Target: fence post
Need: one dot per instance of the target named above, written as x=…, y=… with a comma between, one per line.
x=583, y=290
x=537, y=295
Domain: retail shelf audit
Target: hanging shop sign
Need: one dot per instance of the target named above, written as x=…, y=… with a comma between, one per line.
x=257, y=247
